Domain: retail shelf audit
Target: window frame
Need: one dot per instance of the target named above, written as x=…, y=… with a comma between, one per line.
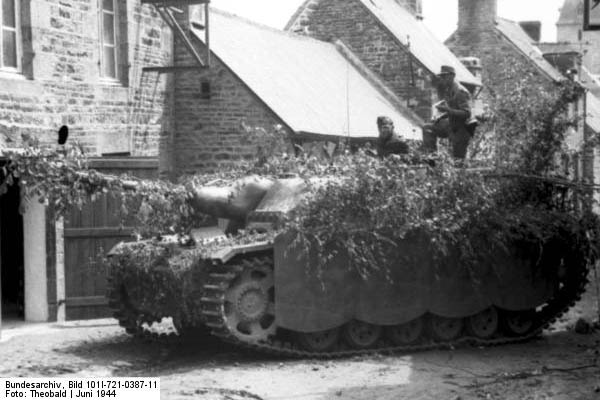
x=18, y=44
x=116, y=36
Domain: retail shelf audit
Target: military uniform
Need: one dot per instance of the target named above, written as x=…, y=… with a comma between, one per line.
x=454, y=124
x=393, y=145
x=389, y=141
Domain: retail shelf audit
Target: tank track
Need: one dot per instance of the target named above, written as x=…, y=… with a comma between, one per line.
x=140, y=325
x=221, y=277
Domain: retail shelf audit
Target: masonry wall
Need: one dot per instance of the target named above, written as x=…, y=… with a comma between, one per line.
x=208, y=126
x=60, y=82
x=359, y=30
x=504, y=65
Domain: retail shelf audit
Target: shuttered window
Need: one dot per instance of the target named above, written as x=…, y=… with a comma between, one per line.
x=10, y=58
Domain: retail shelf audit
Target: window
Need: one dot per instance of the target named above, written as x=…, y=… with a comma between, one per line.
x=108, y=38
x=9, y=45
x=205, y=90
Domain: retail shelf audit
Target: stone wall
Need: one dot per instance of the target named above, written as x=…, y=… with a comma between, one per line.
x=211, y=109
x=504, y=66
x=60, y=81
x=353, y=24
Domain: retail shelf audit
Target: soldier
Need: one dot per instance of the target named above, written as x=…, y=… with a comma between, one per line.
x=453, y=122
x=389, y=141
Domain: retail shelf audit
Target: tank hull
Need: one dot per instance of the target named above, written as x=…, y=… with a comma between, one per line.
x=311, y=300
x=269, y=297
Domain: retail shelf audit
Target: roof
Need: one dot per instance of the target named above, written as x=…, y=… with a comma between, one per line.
x=586, y=78
x=307, y=83
x=559, y=47
x=402, y=24
x=593, y=112
x=515, y=34
x=590, y=81
x=571, y=12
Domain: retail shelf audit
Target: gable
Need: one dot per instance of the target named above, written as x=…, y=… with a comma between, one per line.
x=512, y=31
x=406, y=29
x=307, y=83
x=429, y=50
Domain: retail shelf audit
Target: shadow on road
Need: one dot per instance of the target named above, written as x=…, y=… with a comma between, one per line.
x=141, y=356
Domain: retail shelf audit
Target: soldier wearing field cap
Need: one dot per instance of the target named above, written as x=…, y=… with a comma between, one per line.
x=455, y=113
x=389, y=142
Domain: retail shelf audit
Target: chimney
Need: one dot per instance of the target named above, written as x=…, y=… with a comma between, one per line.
x=476, y=14
x=414, y=6
x=533, y=29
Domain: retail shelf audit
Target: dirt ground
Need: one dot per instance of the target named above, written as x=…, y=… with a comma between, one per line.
x=561, y=364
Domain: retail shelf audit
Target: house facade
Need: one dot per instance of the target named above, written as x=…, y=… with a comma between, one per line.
x=79, y=64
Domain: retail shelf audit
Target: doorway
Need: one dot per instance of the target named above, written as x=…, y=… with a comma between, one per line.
x=12, y=256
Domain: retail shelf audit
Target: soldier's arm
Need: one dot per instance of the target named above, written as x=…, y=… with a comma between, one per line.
x=463, y=106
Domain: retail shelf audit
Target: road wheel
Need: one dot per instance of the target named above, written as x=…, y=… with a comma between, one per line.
x=518, y=323
x=319, y=342
x=485, y=324
x=446, y=329
x=408, y=333
x=361, y=335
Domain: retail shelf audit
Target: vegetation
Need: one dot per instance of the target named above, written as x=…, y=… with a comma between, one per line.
x=365, y=205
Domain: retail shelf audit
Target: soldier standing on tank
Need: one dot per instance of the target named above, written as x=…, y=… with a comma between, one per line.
x=389, y=142
x=453, y=122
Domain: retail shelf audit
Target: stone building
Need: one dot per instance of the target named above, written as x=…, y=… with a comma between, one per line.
x=390, y=38
x=76, y=63
x=79, y=63
x=504, y=48
x=124, y=84
x=262, y=77
x=509, y=52
x=373, y=40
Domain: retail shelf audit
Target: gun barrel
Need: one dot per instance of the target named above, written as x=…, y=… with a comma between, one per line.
x=232, y=202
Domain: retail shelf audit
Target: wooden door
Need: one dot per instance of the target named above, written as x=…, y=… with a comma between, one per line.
x=89, y=233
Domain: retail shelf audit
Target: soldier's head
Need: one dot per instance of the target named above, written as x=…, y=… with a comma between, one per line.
x=385, y=125
x=446, y=76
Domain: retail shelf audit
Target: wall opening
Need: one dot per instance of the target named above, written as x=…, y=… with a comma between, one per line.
x=12, y=256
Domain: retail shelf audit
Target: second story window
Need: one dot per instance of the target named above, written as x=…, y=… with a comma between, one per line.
x=9, y=45
x=108, y=38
